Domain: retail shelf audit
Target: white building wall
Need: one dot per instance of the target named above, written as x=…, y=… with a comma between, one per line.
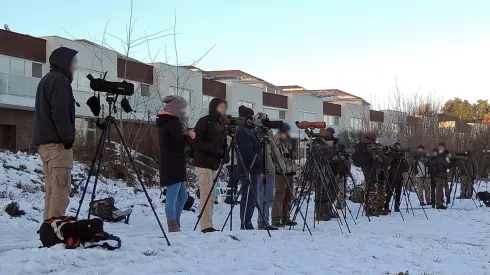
x=237, y=92
x=301, y=108
x=170, y=80
x=353, y=111
x=91, y=60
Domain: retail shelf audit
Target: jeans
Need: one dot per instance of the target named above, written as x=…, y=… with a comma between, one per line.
x=265, y=198
x=175, y=200
x=248, y=200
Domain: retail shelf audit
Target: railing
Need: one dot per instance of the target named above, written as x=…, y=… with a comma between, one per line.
x=18, y=85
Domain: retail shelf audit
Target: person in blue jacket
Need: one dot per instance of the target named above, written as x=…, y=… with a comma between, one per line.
x=250, y=150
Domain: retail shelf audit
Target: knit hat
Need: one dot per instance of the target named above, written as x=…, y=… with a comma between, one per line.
x=285, y=128
x=245, y=112
x=176, y=105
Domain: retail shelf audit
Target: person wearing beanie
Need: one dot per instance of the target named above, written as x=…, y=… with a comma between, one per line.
x=250, y=150
x=210, y=147
x=283, y=194
x=173, y=138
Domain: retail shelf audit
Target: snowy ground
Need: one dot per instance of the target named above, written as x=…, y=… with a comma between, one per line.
x=455, y=241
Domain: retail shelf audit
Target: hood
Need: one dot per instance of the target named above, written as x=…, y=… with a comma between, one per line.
x=61, y=59
x=164, y=117
x=213, y=105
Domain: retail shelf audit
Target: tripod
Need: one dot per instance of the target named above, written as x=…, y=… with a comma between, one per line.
x=315, y=178
x=375, y=179
x=268, y=141
x=233, y=148
x=98, y=157
x=406, y=186
x=456, y=178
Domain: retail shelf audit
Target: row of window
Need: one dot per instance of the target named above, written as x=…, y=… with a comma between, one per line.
x=12, y=65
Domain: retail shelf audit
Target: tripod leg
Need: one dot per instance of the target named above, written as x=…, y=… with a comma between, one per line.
x=97, y=172
x=215, y=180
x=130, y=157
x=92, y=166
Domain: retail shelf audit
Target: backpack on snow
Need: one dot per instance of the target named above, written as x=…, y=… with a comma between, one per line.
x=484, y=197
x=106, y=210
x=71, y=232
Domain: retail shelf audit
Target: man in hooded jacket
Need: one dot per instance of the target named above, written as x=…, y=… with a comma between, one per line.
x=210, y=147
x=54, y=129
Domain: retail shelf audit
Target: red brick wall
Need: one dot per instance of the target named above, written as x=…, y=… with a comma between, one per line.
x=23, y=122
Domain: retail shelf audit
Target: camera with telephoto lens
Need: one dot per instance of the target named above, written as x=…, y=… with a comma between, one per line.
x=267, y=123
x=118, y=88
x=233, y=121
x=311, y=125
x=460, y=156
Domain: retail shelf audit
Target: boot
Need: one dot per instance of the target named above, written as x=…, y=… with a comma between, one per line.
x=178, y=223
x=289, y=222
x=209, y=230
x=397, y=207
x=441, y=207
x=173, y=226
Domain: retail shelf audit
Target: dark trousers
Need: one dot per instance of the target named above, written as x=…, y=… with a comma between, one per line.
x=248, y=200
x=432, y=189
x=395, y=182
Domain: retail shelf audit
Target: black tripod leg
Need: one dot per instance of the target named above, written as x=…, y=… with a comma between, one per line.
x=128, y=153
x=97, y=172
x=92, y=166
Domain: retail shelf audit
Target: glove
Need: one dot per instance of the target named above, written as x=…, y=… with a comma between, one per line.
x=68, y=145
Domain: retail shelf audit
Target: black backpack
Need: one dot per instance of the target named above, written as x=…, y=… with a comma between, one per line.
x=73, y=233
x=106, y=210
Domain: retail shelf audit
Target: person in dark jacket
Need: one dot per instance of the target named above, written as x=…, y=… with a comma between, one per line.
x=210, y=149
x=446, y=187
x=438, y=166
x=173, y=138
x=395, y=178
x=250, y=150
x=326, y=192
x=54, y=129
x=467, y=169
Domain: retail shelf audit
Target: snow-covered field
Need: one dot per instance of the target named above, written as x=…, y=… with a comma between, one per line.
x=455, y=241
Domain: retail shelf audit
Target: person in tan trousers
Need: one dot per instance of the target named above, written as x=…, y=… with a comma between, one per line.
x=210, y=146
x=57, y=165
x=54, y=129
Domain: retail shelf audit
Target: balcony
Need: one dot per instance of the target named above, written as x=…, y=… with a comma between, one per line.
x=18, y=90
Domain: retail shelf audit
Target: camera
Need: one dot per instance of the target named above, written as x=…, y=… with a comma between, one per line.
x=462, y=154
x=233, y=121
x=266, y=123
x=118, y=88
x=459, y=158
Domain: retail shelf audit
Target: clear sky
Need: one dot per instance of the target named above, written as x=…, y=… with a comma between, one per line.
x=358, y=46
